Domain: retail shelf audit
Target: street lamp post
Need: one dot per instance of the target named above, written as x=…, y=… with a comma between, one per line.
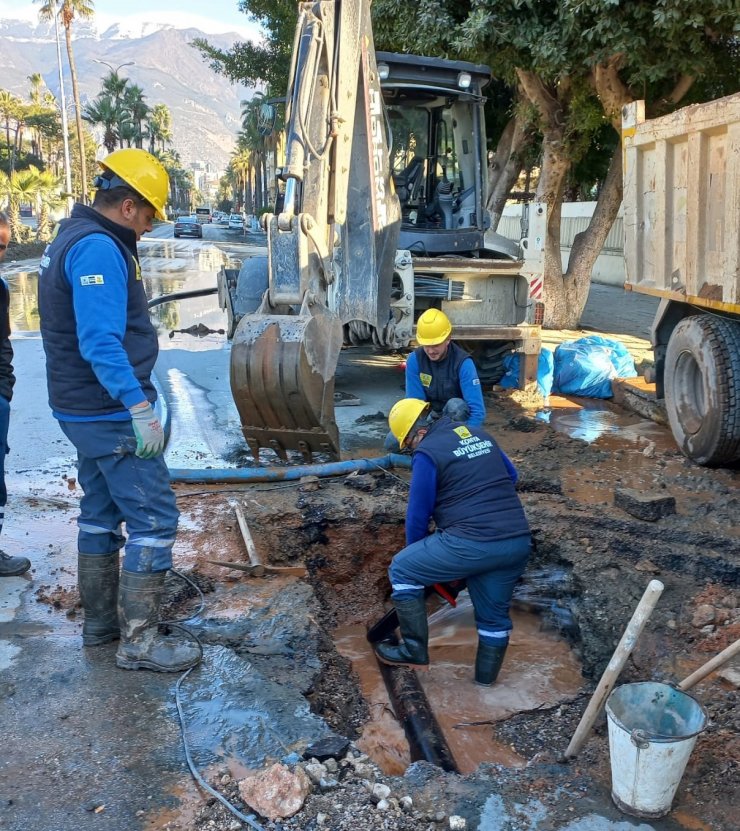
x=65, y=130
x=120, y=66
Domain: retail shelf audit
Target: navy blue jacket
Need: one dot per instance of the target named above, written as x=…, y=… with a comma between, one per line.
x=99, y=341
x=7, y=378
x=475, y=496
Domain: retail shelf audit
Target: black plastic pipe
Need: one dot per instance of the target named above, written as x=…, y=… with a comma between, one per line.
x=424, y=735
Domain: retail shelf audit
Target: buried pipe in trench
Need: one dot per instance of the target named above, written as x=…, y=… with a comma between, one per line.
x=424, y=735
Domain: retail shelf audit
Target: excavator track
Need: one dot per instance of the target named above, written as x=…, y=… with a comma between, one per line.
x=282, y=381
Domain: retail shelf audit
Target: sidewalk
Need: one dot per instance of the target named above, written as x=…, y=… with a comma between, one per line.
x=626, y=316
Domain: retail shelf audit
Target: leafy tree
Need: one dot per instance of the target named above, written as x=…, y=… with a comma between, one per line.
x=575, y=64
x=67, y=10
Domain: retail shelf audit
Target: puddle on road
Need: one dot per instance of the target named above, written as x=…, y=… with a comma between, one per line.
x=540, y=671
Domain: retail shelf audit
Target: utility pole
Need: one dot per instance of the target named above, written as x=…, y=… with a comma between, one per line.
x=65, y=128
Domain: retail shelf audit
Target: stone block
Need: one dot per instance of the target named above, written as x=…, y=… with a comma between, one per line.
x=647, y=506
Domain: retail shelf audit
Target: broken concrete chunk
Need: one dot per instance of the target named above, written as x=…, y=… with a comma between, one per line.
x=643, y=505
x=361, y=481
x=277, y=792
x=703, y=616
x=731, y=674
x=330, y=747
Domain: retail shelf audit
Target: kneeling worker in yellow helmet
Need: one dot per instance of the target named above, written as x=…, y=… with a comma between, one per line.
x=464, y=481
x=100, y=351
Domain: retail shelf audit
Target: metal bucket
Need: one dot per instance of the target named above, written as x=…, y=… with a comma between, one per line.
x=652, y=731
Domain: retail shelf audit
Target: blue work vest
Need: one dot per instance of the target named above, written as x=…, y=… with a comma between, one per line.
x=441, y=379
x=73, y=386
x=476, y=498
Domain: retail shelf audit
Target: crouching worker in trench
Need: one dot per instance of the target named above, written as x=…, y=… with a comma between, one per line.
x=461, y=479
x=100, y=351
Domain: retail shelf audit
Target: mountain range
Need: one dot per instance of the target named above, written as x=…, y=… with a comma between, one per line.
x=205, y=106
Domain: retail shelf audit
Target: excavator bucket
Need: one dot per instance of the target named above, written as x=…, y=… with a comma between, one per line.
x=282, y=381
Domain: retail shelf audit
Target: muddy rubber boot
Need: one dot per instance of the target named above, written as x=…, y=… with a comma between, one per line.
x=142, y=646
x=13, y=566
x=488, y=661
x=412, y=621
x=97, y=580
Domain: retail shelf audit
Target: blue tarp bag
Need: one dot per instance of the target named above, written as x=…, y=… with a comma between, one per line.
x=544, y=372
x=586, y=366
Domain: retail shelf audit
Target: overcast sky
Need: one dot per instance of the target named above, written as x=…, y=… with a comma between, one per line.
x=222, y=15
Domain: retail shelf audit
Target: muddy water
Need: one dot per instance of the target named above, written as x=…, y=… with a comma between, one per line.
x=540, y=671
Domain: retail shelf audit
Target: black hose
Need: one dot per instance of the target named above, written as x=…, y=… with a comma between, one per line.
x=181, y=295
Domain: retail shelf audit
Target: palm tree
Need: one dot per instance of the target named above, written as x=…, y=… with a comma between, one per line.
x=67, y=10
x=48, y=197
x=9, y=107
x=103, y=111
x=19, y=187
x=159, y=127
x=137, y=110
x=36, y=83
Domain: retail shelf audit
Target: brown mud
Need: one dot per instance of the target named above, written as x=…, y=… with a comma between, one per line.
x=602, y=559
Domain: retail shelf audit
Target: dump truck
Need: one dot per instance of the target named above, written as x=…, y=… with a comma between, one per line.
x=382, y=216
x=682, y=244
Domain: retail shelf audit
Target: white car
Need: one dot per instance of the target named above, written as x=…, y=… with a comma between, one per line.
x=236, y=222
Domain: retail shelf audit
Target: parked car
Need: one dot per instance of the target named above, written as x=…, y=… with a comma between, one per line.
x=236, y=222
x=188, y=226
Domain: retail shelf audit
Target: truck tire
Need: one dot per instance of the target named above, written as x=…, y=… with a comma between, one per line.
x=702, y=388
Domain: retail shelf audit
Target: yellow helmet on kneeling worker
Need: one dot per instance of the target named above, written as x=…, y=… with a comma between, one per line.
x=433, y=328
x=403, y=415
x=141, y=172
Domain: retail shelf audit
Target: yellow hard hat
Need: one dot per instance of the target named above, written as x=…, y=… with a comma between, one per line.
x=143, y=173
x=403, y=416
x=433, y=327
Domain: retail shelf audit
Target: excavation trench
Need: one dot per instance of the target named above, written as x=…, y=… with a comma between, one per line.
x=346, y=531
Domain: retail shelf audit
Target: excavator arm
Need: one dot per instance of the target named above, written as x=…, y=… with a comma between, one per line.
x=331, y=249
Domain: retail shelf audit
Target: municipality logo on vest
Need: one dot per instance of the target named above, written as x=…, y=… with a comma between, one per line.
x=92, y=280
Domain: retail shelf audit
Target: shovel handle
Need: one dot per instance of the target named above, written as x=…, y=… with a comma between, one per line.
x=258, y=569
x=616, y=664
x=714, y=663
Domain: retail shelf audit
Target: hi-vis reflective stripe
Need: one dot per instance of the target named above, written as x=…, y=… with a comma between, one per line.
x=535, y=288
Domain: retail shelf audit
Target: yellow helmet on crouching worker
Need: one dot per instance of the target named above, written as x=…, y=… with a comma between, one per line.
x=139, y=171
x=432, y=328
x=403, y=415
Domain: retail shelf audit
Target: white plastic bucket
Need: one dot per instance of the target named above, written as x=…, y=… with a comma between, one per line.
x=652, y=731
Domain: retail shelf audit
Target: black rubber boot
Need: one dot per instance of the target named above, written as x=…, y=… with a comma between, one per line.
x=13, y=566
x=488, y=661
x=412, y=621
x=142, y=646
x=97, y=579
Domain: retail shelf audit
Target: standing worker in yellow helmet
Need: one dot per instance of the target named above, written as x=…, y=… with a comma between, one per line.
x=100, y=352
x=465, y=482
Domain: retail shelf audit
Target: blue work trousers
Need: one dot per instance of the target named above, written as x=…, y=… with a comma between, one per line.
x=120, y=487
x=491, y=570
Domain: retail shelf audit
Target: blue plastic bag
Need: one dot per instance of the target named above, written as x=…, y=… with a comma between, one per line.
x=544, y=372
x=586, y=366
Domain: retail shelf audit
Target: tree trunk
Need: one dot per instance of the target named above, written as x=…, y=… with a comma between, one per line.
x=506, y=166
x=78, y=115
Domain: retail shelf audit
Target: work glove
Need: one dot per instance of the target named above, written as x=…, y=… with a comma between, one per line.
x=148, y=431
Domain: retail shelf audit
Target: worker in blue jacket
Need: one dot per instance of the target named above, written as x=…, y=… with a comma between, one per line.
x=462, y=480
x=100, y=350
x=440, y=372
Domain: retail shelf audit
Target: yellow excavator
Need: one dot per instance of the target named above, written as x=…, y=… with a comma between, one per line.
x=382, y=216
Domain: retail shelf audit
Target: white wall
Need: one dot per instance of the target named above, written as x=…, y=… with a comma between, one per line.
x=609, y=266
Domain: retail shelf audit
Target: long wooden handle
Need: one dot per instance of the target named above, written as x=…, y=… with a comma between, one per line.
x=616, y=664
x=716, y=662
x=258, y=569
